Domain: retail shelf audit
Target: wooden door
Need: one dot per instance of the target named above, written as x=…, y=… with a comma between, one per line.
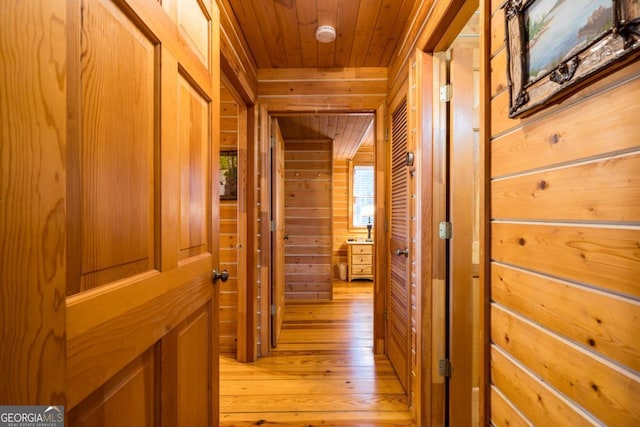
x=398, y=304
x=464, y=243
x=142, y=213
x=279, y=237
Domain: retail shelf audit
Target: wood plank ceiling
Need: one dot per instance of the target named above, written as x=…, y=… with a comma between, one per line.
x=281, y=34
x=349, y=131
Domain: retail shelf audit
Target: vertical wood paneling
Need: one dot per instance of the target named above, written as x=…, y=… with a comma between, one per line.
x=308, y=201
x=565, y=266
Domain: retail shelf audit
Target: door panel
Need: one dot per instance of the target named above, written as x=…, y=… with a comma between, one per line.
x=115, y=243
x=277, y=203
x=398, y=303
x=193, y=128
x=132, y=387
x=142, y=314
x=193, y=349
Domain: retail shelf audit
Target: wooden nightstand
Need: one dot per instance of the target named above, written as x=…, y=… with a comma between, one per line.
x=360, y=256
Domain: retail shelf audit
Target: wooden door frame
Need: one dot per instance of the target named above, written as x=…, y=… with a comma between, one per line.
x=247, y=235
x=265, y=113
x=439, y=36
x=277, y=231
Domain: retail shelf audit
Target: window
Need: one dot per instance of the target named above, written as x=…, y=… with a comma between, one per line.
x=362, y=190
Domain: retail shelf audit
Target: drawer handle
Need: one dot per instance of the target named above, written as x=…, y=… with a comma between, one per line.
x=404, y=252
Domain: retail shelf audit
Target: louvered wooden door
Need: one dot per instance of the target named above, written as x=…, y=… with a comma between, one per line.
x=142, y=314
x=398, y=304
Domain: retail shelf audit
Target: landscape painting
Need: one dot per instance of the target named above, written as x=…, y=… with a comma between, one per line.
x=555, y=47
x=228, y=175
x=557, y=30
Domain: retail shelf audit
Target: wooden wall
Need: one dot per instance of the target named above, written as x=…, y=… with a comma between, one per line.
x=344, y=89
x=307, y=205
x=228, y=232
x=565, y=265
x=340, y=212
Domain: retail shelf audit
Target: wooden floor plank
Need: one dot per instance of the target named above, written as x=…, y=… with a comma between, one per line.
x=323, y=371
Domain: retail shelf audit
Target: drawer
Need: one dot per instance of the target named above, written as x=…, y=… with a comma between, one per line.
x=361, y=259
x=362, y=249
x=358, y=270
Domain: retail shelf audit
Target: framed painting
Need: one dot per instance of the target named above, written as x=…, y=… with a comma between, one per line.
x=557, y=46
x=228, y=175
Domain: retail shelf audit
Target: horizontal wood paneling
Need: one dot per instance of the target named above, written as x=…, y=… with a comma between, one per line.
x=322, y=89
x=574, y=133
x=607, y=324
x=307, y=211
x=565, y=276
x=603, y=389
x=603, y=257
x=533, y=398
x=504, y=414
x=229, y=233
x=604, y=190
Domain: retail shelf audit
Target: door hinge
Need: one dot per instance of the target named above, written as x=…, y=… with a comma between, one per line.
x=386, y=134
x=273, y=141
x=445, y=230
x=445, y=93
x=273, y=309
x=273, y=226
x=444, y=368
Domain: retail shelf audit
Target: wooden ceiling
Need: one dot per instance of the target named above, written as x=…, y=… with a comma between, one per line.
x=281, y=33
x=349, y=131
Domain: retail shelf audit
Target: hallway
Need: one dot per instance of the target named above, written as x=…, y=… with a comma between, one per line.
x=323, y=371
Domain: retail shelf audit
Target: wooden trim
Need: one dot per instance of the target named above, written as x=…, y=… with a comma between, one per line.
x=424, y=156
x=380, y=238
x=484, y=359
x=264, y=213
x=252, y=225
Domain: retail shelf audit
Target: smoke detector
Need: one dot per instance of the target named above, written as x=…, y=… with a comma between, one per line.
x=326, y=34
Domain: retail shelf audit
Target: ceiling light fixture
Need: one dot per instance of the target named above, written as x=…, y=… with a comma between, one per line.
x=326, y=34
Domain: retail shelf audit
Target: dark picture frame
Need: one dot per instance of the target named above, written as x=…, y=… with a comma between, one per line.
x=228, y=177
x=555, y=47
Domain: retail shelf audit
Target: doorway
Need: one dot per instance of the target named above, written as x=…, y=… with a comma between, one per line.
x=311, y=211
x=458, y=78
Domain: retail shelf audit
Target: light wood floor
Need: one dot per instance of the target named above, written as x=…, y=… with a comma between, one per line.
x=323, y=371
